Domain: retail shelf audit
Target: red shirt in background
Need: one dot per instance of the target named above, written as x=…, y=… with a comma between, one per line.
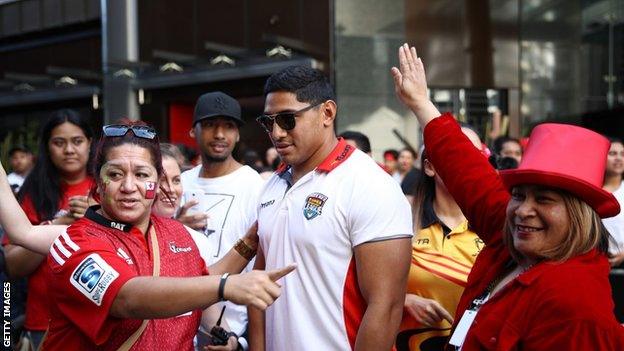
x=37, y=314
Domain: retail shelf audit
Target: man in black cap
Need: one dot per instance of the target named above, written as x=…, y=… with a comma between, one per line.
x=220, y=195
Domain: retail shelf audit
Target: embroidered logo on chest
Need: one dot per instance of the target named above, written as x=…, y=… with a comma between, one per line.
x=175, y=249
x=121, y=253
x=267, y=204
x=424, y=241
x=314, y=205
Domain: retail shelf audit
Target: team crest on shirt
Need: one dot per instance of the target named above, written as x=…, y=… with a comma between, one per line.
x=314, y=205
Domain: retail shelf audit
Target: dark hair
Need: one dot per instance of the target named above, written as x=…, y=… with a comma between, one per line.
x=424, y=194
x=308, y=84
x=361, y=140
x=498, y=143
x=410, y=150
x=615, y=140
x=188, y=153
x=19, y=148
x=106, y=143
x=43, y=184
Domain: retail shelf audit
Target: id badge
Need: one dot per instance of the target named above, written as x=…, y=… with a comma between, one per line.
x=459, y=335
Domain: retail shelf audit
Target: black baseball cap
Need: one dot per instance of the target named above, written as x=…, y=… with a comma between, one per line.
x=217, y=104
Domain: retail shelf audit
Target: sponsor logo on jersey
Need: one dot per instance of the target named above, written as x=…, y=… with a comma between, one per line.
x=118, y=226
x=422, y=241
x=479, y=244
x=267, y=204
x=121, y=253
x=314, y=205
x=92, y=278
x=175, y=249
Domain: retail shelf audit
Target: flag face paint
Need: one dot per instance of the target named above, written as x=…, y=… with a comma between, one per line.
x=150, y=190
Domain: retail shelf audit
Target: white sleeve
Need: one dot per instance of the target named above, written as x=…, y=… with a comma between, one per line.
x=202, y=243
x=378, y=210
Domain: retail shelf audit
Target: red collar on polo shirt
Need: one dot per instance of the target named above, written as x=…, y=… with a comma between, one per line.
x=339, y=154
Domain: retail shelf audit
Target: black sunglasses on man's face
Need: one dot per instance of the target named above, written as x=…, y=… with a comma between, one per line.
x=285, y=120
x=117, y=130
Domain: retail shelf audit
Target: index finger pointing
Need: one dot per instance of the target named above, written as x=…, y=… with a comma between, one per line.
x=443, y=313
x=276, y=274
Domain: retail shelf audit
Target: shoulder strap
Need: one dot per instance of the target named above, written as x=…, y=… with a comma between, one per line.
x=45, y=335
x=156, y=257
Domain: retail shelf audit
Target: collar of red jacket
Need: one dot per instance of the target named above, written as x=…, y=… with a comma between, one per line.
x=532, y=274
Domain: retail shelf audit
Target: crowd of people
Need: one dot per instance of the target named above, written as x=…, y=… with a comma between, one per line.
x=127, y=246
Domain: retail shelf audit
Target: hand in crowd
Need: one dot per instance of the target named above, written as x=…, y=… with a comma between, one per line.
x=426, y=311
x=256, y=288
x=196, y=221
x=616, y=260
x=410, y=83
x=78, y=206
x=232, y=345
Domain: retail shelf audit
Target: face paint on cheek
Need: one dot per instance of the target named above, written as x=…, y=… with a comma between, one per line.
x=105, y=183
x=150, y=190
x=108, y=200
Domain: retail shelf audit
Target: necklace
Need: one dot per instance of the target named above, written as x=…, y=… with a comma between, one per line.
x=481, y=299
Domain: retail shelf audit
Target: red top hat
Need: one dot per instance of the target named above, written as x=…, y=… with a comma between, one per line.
x=570, y=158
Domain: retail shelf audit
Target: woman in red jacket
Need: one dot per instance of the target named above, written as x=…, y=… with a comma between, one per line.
x=541, y=282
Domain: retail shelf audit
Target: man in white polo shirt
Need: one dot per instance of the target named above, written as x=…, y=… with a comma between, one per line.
x=339, y=216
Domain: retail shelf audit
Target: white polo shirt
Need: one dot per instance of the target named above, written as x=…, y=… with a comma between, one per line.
x=346, y=201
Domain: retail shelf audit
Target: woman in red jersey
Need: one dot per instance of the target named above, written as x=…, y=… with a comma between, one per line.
x=122, y=278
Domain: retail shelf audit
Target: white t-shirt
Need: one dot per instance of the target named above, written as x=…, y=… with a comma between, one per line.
x=346, y=201
x=615, y=225
x=231, y=202
x=15, y=181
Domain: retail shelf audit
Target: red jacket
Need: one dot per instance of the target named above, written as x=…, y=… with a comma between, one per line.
x=565, y=306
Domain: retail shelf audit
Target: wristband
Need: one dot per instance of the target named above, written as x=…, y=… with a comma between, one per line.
x=222, y=286
x=244, y=250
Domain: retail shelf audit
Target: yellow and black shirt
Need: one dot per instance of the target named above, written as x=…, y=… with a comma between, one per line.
x=441, y=261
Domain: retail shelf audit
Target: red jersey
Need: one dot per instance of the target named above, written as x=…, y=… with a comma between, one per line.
x=37, y=314
x=90, y=263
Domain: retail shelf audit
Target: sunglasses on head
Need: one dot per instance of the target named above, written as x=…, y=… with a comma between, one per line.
x=117, y=130
x=285, y=120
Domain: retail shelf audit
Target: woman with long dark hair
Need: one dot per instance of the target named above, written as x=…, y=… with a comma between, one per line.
x=444, y=248
x=55, y=192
